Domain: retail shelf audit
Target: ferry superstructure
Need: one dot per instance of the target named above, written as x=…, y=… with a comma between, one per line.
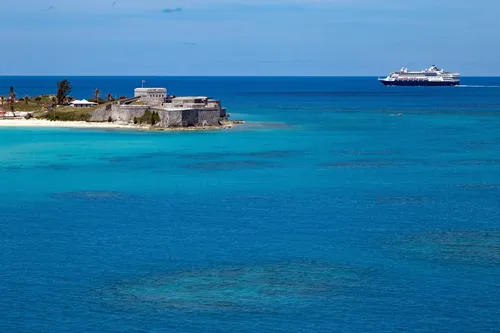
x=432, y=76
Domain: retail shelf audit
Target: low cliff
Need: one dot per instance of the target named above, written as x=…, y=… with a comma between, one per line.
x=126, y=114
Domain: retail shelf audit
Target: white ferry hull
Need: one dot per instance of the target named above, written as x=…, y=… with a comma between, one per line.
x=432, y=76
x=419, y=83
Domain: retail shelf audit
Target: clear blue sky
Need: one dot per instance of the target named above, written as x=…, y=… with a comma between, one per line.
x=248, y=37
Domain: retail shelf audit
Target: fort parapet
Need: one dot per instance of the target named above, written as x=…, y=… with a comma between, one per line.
x=172, y=111
x=151, y=96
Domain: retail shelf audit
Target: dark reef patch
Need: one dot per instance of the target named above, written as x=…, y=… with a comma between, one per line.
x=274, y=153
x=58, y=167
x=202, y=156
x=13, y=167
x=117, y=159
x=261, y=154
x=253, y=287
x=206, y=156
x=373, y=152
x=476, y=162
x=480, y=186
x=474, y=247
x=368, y=164
x=90, y=195
x=227, y=165
x=402, y=200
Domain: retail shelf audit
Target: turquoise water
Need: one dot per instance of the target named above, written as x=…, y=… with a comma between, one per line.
x=325, y=212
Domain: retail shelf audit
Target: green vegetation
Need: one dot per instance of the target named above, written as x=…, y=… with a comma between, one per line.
x=97, y=93
x=12, y=93
x=29, y=107
x=25, y=99
x=60, y=115
x=67, y=113
x=56, y=107
x=12, y=98
x=98, y=101
x=149, y=118
x=63, y=89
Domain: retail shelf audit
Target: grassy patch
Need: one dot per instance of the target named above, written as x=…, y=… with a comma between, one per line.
x=68, y=113
x=21, y=106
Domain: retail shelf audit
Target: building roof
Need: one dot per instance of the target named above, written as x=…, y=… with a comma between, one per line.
x=83, y=101
x=190, y=97
x=151, y=89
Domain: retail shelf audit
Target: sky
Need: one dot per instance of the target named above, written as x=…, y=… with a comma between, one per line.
x=248, y=37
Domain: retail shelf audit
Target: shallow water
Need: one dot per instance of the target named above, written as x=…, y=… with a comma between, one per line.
x=276, y=287
x=323, y=213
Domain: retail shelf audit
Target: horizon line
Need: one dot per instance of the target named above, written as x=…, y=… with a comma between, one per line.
x=220, y=76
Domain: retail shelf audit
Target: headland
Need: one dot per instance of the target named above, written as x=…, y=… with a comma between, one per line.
x=149, y=108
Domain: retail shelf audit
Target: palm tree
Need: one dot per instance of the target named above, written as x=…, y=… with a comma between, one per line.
x=26, y=99
x=12, y=100
x=110, y=97
x=63, y=89
x=97, y=93
x=53, y=104
x=12, y=93
x=2, y=99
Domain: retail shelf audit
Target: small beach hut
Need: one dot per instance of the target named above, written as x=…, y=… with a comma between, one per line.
x=82, y=104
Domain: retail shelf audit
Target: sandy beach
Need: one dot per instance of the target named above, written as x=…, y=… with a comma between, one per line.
x=48, y=123
x=84, y=124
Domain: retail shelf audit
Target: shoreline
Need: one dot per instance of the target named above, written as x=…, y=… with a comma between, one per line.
x=43, y=123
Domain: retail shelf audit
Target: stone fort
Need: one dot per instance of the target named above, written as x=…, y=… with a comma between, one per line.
x=173, y=111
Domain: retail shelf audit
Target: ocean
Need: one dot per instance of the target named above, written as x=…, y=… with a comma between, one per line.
x=324, y=212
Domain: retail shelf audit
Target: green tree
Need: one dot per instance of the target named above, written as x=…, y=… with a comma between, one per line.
x=53, y=105
x=11, y=104
x=97, y=93
x=12, y=100
x=110, y=97
x=38, y=99
x=12, y=93
x=2, y=99
x=63, y=89
x=26, y=99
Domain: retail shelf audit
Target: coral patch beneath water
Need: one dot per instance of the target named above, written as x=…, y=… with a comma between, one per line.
x=96, y=195
x=462, y=247
x=260, y=287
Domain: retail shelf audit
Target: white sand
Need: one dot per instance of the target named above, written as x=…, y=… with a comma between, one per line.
x=48, y=123
x=83, y=124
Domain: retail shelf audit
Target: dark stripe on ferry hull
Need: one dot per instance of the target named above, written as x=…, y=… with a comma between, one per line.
x=419, y=83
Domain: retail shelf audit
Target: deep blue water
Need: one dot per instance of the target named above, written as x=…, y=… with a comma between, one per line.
x=324, y=213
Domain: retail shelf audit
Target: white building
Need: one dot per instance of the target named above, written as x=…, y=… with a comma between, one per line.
x=152, y=96
x=82, y=104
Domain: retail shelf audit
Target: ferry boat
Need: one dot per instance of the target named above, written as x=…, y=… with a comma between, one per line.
x=432, y=76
